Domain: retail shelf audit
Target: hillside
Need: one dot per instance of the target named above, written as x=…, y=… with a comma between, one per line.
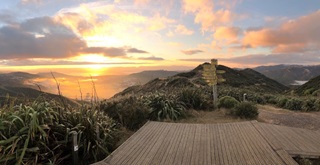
x=289, y=74
x=312, y=87
x=24, y=93
x=247, y=79
x=15, y=78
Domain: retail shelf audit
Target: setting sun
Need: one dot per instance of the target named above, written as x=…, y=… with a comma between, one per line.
x=96, y=69
x=92, y=58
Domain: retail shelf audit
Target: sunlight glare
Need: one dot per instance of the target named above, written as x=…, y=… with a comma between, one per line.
x=96, y=69
x=93, y=58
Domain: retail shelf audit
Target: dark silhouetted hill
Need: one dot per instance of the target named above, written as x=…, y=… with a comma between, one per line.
x=246, y=78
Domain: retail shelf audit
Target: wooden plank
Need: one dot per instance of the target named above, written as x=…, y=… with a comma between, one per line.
x=168, y=158
x=182, y=145
x=151, y=144
x=117, y=155
x=189, y=145
x=164, y=144
x=135, y=152
x=302, y=154
x=231, y=143
x=230, y=150
x=286, y=157
x=250, y=154
x=265, y=149
x=236, y=145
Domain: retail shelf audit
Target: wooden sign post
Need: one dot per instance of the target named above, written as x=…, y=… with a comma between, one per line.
x=210, y=75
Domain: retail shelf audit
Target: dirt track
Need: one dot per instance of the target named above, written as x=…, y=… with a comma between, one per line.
x=270, y=114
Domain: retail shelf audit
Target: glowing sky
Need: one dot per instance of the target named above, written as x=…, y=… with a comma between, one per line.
x=157, y=34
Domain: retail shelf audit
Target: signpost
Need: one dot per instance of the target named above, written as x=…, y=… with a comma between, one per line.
x=210, y=75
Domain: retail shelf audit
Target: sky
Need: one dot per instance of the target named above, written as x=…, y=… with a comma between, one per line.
x=122, y=36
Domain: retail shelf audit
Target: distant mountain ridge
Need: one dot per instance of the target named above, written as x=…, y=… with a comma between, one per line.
x=288, y=74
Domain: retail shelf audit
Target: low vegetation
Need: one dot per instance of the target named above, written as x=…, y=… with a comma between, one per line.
x=246, y=110
x=130, y=111
x=227, y=102
x=195, y=98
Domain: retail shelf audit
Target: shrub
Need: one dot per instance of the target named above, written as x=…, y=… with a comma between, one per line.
x=317, y=105
x=270, y=99
x=309, y=105
x=130, y=112
x=227, y=102
x=257, y=99
x=282, y=101
x=246, y=110
x=293, y=104
x=195, y=98
x=164, y=106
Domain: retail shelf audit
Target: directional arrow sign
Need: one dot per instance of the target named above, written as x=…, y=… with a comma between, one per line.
x=221, y=71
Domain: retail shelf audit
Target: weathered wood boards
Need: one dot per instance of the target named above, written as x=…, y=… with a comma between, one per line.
x=206, y=144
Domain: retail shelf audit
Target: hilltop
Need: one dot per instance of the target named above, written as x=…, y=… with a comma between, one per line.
x=246, y=79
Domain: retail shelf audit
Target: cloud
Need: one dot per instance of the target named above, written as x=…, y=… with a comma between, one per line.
x=31, y=1
x=299, y=35
x=135, y=50
x=141, y=2
x=272, y=59
x=151, y=58
x=106, y=51
x=7, y=17
x=181, y=29
x=206, y=15
x=39, y=38
x=196, y=60
x=158, y=22
x=191, y=52
x=229, y=34
x=44, y=37
x=30, y=62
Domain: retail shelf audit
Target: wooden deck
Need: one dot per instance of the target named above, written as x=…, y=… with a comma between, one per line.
x=206, y=144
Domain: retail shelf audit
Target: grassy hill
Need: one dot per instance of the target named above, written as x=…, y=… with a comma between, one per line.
x=15, y=78
x=312, y=87
x=247, y=79
x=28, y=94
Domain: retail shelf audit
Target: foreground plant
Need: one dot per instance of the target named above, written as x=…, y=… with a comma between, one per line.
x=38, y=134
x=165, y=106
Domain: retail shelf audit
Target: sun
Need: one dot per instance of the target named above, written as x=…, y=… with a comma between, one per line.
x=92, y=58
x=96, y=69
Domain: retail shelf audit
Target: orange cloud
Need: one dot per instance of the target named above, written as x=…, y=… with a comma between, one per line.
x=141, y=2
x=158, y=22
x=227, y=33
x=205, y=14
x=297, y=35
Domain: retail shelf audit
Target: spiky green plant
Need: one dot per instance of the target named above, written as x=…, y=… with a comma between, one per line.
x=130, y=111
x=37, y=134
x=195, y=98
x=165, y=106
